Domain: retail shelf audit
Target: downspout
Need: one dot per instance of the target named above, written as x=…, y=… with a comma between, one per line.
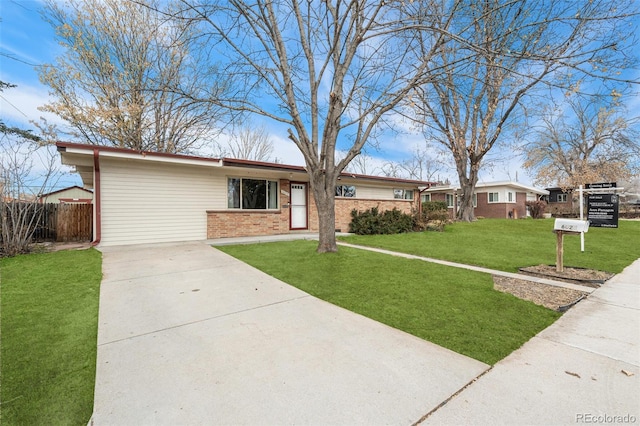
x=97, y=197
x=420, y=191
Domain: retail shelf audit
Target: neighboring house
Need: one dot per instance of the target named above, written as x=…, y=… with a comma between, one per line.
x=144, y=197
x=70, y=195
x=491, y=200
x=559, y=200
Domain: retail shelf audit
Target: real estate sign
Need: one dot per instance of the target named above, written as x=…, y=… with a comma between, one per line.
x=602, y=210
x=600, y=185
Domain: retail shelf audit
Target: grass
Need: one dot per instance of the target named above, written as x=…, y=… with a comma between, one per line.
x=507, y=245
x=49, y=313
x=454, y=308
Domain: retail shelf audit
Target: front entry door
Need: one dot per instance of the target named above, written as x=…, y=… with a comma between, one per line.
x=298, y=206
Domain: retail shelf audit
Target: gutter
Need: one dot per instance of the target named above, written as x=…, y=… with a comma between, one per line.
x=97, y=198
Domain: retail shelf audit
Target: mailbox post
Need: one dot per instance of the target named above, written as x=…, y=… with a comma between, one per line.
x=562, y=227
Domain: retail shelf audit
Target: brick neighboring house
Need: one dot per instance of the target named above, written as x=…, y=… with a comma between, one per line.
x=145, y=197
x=492, y=199
x=560, y=200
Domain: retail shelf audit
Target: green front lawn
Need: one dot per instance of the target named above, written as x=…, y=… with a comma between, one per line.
x=452, y=307
x=49, y=314
x=507, y=245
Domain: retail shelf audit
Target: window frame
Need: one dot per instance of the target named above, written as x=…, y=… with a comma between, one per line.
x=270, y=204
x=404, y=194
x=345, y=191
x=490, y=196
x=562, y=198
x=448, y=197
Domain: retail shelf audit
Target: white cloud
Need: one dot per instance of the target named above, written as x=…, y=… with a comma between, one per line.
x=20, y=104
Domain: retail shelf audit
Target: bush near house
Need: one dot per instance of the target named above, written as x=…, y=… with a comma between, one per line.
x=434, y=215
x=537, y=208
x=372, y=222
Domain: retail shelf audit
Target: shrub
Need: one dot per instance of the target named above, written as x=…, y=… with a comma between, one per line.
x=434, y=216
x=435, y=211
x=372, y=222
x=434, y=206
x=536, y=208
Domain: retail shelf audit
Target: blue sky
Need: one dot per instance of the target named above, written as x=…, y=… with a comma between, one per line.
x=27, y=41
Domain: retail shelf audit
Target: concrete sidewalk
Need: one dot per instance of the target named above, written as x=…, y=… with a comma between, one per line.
x=189, y=335
x=584, y=368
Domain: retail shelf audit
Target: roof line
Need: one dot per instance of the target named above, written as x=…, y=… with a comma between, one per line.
x=119, y=150
x=233, y=162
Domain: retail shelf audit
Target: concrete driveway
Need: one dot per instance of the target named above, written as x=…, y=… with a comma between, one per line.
x=189, y=335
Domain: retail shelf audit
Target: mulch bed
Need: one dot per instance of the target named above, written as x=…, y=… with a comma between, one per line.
x=580, y=276
x=556, y=298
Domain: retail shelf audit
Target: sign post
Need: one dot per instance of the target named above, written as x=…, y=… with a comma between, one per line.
x=581, y=218
x=566, y=226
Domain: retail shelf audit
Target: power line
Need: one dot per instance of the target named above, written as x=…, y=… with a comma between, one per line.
x=15, y=107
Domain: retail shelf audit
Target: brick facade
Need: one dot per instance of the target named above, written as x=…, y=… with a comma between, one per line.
x=344, y=206
x=247, y=223
x=491, y=210
x=501, y=210
x=251, y=223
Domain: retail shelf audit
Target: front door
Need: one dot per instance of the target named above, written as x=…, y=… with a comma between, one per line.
x=298, y=206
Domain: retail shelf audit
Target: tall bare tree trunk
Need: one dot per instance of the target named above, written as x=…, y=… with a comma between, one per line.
x=325, y=204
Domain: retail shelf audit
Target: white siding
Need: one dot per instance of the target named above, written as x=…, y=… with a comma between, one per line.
x=145, y=202
x=374, y=192
x=502, y=193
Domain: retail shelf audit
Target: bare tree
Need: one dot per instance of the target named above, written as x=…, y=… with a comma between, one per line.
x=327, y=69
x=584, y=141
x=251, y=143
x=27, y=169
x=498, y=53
x=130, y=77
x=363, y=163
x=421, y=165
x=391, y=169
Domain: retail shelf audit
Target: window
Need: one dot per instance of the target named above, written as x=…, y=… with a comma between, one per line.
x=511, y=197
x=493, y=197
x=425, y=197
x=250, y=194
x=348, y=191
x=449, y=199
x=403, y=194
x=562, y=198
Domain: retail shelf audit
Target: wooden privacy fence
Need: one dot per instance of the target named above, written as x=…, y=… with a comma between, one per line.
x=65, y=222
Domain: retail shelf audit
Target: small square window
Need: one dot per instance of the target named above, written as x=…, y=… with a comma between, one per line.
x=348, y=191
x=403, y=194
x=493, y=197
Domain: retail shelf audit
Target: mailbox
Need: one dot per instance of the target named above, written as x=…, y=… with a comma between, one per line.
x=571, y=225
